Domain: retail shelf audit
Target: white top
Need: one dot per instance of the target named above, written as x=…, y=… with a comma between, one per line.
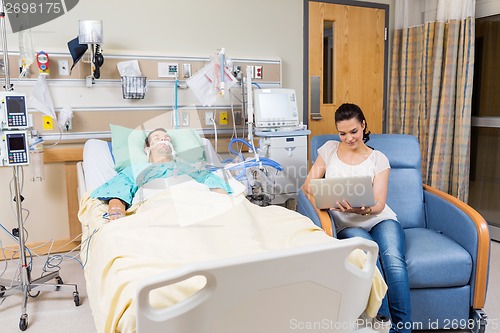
x=371, y=166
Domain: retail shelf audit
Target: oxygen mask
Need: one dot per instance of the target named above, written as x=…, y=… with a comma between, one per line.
x=157, y=143
x=162, y=143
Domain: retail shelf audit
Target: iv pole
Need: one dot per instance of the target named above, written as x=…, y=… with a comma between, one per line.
x=25, y=285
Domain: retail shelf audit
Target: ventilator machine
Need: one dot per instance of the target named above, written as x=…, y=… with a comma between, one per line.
x=274, y=119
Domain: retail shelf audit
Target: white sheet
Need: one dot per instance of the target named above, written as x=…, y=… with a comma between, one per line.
x=153, y=240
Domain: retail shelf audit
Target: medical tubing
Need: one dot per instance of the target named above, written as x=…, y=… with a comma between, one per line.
x=15, y=238
x=4, y=256
x=256, y=162
x=238, y=140
x=265, y=160
x=222, y=61
x=176, y=102
x=84, y=263
x=51, y=257
x=250, y=146
x=237, y=153
x=251, y=163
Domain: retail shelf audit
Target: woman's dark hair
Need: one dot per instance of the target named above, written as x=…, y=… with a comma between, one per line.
x=349, y=111
x=146, y=141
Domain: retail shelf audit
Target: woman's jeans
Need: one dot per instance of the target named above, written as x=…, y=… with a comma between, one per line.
x=390, y=237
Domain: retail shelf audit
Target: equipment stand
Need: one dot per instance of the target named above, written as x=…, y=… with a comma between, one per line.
x=25, y=285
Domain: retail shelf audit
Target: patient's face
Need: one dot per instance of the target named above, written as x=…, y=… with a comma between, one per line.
x=351, y=131
x=159, y=146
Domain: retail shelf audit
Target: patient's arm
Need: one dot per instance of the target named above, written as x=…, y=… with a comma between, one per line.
x=116, y=209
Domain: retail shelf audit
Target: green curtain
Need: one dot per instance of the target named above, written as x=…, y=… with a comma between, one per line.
x=430, y=97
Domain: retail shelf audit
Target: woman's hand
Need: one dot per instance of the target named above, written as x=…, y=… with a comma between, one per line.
x=116, y=209
x=344, y=207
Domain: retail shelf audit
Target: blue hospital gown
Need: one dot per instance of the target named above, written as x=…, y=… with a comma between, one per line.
x=126, y=183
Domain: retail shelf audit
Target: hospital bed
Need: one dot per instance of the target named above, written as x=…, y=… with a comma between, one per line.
x=237, y=268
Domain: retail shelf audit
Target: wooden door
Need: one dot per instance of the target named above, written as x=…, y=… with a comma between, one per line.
x=346, y=63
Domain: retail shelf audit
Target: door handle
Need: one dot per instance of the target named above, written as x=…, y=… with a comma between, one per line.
x=315, y=98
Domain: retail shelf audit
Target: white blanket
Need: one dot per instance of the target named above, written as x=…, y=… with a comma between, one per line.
x=159, y=234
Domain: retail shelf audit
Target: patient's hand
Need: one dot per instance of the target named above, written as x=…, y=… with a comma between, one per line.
x=218, y=190
x=116, y=209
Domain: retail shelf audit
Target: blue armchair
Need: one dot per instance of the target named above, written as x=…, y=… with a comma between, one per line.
x=447, y=242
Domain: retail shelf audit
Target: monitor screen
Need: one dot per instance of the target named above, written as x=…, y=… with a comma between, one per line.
x=17, y=148
x=16, y=142
x=274, y=105
x=275, y=108
x=15, y=105
x=14, y=113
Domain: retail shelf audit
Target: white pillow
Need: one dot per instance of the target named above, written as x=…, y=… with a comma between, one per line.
x=98, y=164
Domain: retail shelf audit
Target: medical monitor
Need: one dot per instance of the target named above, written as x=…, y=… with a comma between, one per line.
x=16, y=143
x=14, y=112
x=276, y=107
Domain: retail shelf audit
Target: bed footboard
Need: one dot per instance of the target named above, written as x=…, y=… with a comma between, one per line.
x=278, y=291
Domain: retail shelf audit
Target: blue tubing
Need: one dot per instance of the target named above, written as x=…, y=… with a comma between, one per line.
x=262, y=161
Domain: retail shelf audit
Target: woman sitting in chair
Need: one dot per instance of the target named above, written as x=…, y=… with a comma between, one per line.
x=379, y=223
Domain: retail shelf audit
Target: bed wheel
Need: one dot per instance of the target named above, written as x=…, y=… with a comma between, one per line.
x=23, y=322
x=59, y=280
x=2, y=288
x=76, y=298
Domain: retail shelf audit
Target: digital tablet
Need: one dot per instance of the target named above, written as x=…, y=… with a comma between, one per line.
x=357, y=191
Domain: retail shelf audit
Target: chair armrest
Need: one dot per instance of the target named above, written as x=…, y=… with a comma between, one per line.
x=307, y=207
x=459, y=221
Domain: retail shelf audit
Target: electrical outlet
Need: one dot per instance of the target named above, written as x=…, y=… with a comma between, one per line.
x=63, y=67
x=48, y=123
x=68, y=125
x=209, y=118
x=186, y=71
x=238, y=119
x=257, y=72
x=223, y=118
x=184, y=118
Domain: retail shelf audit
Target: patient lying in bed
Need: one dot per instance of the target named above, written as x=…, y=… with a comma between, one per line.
x=119, y=192
x=177, y=226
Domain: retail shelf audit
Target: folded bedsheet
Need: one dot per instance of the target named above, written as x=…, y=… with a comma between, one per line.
x=176, y=227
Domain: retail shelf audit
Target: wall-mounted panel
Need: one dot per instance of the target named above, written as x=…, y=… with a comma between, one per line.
x=95, y=107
